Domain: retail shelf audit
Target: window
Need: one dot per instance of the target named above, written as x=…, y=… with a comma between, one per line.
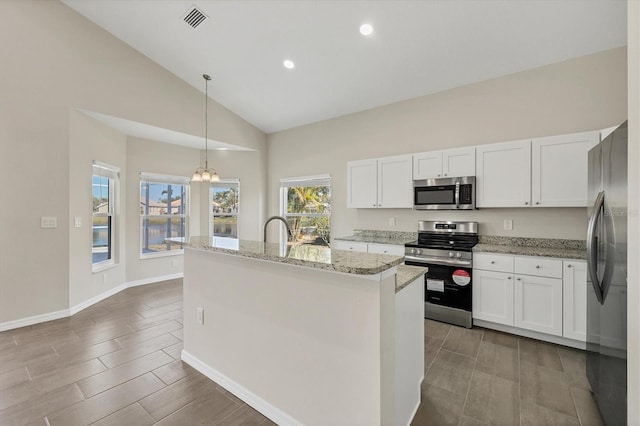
x=306, y=204
x=224, y=208
x=164, y=213
x=103, y=187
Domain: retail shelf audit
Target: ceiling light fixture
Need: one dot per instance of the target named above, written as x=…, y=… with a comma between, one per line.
x=205, y=174
x=288, y=64
x=366, y=29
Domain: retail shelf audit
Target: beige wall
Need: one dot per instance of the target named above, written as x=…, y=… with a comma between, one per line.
x=582, y=94
x=53, y=61
x=633, y=272
x=91, y=140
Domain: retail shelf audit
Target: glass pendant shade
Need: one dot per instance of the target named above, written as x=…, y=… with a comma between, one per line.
x=205, y=174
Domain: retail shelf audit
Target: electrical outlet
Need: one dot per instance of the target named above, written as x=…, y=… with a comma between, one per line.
x=508, y=224
x=174, y=263
x=392, y=221
x=48, y=222
x=200, y=315
x=77, y=221
x=104, y=278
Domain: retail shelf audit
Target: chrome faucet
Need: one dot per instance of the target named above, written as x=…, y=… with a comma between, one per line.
x=264, y=239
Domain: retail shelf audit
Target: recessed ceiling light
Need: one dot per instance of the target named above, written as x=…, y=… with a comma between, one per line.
x=222, y=149
x=366, y=29
x=288, y=64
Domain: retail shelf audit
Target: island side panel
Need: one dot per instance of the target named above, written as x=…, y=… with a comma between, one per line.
x=317, y=346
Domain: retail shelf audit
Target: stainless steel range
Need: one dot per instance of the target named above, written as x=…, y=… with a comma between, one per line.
x=445, y=248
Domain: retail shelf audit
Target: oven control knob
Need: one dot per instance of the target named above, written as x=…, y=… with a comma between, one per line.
x=451, y=254
x=458, y=255
x=413, y=251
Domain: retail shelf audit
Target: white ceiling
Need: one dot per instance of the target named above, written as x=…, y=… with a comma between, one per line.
x=418, y=47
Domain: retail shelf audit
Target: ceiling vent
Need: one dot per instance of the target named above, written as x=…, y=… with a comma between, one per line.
x=194, y=17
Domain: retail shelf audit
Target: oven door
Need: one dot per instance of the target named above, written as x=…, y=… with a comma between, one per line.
x=447, y=285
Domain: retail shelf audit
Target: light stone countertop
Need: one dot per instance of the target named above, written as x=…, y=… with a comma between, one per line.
x=408, y=274
x=544, y=247
x=318, y=257
x=398, y=238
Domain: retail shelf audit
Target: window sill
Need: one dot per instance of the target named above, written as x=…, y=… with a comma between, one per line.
x=104, y=267
x=161, y=254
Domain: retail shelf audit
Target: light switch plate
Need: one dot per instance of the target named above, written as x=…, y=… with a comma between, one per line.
x=200, y=315
x=508, y=224
x=392, y=221
x=48, y=222
x=77, y=221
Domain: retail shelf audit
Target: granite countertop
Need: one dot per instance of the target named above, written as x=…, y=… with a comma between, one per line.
x=398, y=238
x=543, y=247
x=318, y=257
x=408, y=274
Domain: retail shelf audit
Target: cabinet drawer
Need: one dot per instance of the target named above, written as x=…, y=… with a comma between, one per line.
x=386, y=249
x=349, y=245
x=493, y=262
x=538, y=266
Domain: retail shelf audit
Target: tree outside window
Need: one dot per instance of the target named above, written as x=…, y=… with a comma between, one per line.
x=225, y=203
x=307, y=208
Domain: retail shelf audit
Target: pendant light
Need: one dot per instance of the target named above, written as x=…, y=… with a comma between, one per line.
x=205, y=174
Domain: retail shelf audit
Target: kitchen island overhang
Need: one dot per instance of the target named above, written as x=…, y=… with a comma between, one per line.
x=303, y=334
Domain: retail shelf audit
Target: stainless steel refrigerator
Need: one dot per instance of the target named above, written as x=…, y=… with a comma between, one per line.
x=607, y=276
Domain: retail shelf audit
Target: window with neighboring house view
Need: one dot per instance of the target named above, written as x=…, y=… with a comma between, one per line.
x=306, y=205
x=103, y=188
x=225, y=200
x=164, y=214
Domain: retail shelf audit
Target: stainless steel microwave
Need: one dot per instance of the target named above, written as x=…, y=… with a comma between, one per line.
x=445, y=193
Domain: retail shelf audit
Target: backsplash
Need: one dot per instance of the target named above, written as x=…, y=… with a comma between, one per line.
x=385, y=234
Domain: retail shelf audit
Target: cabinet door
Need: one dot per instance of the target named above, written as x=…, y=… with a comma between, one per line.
x=493, y=296
x=427, y=165
x=459, y=162
x=559, y=169
x=503, y=174
x=574, y=300
x=362, y=184
x=349, y=245
x=538, y=304
x=386, y=249
x=395, y=182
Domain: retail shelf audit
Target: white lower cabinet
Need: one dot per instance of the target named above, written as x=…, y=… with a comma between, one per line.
x=493, y=296
x=574, y=287
x=538, y=304
x=540, y=294
x=392, y=249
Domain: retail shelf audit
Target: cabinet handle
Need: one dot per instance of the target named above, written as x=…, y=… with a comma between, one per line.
x=445, y=174
x=569, y=266
x=374, y=205
x=537, y=203
x=519, y=279
x=508, y=278
x=526, y=203
x=384, y=251
x=492, y=262
x=537, y=266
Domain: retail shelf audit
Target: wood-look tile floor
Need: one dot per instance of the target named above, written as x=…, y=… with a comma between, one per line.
x=118, y=363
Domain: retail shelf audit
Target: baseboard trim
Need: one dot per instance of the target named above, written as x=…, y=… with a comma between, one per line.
x=532, y=334
x=50, y=316
x=154, y=280
x=266, y=409
x=95, y=299
x=36, y=319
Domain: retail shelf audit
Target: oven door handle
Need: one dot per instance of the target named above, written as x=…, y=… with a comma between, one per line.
x=439, y=261
x=457, y=194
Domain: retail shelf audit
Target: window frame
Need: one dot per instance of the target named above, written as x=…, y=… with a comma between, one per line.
x=302, y=181
x=224, y=183
x=112, y=173
x=155, y=178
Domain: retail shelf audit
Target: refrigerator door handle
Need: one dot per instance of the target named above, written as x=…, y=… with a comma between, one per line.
x=592, y=249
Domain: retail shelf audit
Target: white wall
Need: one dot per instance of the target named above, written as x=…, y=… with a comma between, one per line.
x=53, y=61
x=582, y=94
x=633, y=272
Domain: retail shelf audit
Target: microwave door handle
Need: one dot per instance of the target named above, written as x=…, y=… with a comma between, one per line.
x=457, y=195
x=592, y=246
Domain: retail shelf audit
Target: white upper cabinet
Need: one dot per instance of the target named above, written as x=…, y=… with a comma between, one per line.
x=448, y=163
x=503, y=174
x=362, y=184
x=380, y=183
x=559, y=169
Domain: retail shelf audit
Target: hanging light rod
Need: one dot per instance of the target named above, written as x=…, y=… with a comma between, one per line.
x=205, y=174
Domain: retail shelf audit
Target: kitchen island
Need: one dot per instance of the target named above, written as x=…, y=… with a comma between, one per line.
x=304, y=334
